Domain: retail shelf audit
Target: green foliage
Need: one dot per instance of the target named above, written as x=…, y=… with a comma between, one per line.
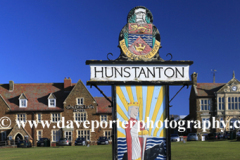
x=147, y=19
x=132, y=19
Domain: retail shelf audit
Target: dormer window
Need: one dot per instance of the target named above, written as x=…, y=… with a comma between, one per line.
x=22, y=101
x=51, y=100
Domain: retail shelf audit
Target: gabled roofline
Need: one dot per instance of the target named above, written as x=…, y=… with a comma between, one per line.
x=22, y=96
x=51, y=94
x=5, y=101
x=233, y=79
x=79, y=81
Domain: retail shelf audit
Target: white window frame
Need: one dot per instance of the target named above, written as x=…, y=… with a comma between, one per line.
x=66, y=133
x=103, y=117
x=85, y=133
x=21, y=117
x=233, y=103
x=80, y=116
x=50, y=102
x=205, y=106
x=23, y=103
x=220, y=121
x=221, y=103
x=57, y=134
x=205, y=119
x=56, y=119
x=41, y=135
x=80, y=100
x=108, y=134
x=37, y=117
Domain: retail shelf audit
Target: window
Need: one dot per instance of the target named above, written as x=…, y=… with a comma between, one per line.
x=52, y=103
x=221, y=105
x=233, y=103
x=39, y=134
x=108, y=134
x=55, y=117
x=80, y=116
x=51, y=100
x=83, y=134
x=56, y=135
x=205, y=104
x=68, y=135
x=3, y=136
x=21, y=117
x=103, y=117
x=221, y=124
x=206, y=121
x=23, y=103
x=80, y=101
x=39, y=117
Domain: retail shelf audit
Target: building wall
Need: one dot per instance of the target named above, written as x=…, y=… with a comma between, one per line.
x=78, y=91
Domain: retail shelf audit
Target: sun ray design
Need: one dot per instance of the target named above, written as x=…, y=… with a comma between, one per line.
x=149, y=101
x=134, y=93
x=130, y=94
x=122, y=97
x=140, y=101
x=155, y=133
x=122, y=114
x=157, y=108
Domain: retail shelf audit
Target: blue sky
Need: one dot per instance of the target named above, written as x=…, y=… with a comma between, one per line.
x=45, y=41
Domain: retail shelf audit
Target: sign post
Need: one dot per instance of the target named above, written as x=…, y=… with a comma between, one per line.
x=140, y=81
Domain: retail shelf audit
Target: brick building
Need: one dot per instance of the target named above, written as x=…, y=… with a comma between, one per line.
x=52, y=102
x=219, y=100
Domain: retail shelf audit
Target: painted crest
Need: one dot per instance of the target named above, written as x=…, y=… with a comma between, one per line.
x=140, y=39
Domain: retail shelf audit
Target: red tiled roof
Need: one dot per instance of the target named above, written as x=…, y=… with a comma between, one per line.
x=103, y=104
x=208, y=89
x=36, y=94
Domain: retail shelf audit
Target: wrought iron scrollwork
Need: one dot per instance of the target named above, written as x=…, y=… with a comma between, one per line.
x=108, y=57
x=170, y=55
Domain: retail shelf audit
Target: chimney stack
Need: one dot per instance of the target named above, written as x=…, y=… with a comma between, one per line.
x=67, y=82
x=194, y=78
x=11, y=86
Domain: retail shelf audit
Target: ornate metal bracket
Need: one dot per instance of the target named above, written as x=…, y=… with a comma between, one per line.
x=108, y=57
x=170, y=55
x=101, y=92
x=177, y=93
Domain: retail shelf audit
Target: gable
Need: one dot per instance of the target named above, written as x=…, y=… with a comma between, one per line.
x=22, y=96
x=208, y=89
x=228, y=87
x=79, y=90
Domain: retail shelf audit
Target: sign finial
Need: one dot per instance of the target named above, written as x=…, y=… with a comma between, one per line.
x=139, y=40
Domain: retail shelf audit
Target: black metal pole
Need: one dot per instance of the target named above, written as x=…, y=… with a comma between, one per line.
x=168, y=129
x=114, y=127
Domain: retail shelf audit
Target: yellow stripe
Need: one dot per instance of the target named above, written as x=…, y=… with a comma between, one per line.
x=120, y=124
x=157, y=107
x=140, y=101
x=129, y=91
x=163, y=133
x=162, y=120
x=122, y=97
x=150, y=90
x=120, y=134
x=122, y=114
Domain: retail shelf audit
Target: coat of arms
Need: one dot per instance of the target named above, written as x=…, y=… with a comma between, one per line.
x=139, y=38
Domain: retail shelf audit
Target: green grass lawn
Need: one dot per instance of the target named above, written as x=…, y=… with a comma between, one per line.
x=102, y=152
x=208, y=150
x=219, y=150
